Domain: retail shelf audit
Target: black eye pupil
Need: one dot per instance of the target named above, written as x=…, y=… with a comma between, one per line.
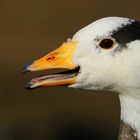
x=106, y=43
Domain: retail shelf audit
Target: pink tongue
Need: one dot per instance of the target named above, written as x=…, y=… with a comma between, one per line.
x=53, y=77
x=44, y=77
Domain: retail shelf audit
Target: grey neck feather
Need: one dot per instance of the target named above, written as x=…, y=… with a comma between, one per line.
x=130, y=117
x=126, y=132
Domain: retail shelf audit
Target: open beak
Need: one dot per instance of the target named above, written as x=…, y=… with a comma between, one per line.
x=61, y=58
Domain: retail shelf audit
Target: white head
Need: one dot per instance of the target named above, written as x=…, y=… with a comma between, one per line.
x=104, y=65
x=107, y=52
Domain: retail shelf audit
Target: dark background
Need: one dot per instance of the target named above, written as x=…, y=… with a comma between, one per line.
x=28, y=30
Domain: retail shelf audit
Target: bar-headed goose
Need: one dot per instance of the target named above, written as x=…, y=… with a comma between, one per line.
x=104, y=55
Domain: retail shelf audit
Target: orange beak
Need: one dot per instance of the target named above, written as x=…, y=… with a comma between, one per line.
x=61, y=58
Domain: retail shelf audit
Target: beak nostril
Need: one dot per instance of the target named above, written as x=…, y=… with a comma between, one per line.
x=50, y=58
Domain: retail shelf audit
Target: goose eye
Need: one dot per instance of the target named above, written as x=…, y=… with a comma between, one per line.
x=106, y=43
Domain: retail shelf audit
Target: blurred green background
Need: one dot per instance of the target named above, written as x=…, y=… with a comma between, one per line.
x=28, y=30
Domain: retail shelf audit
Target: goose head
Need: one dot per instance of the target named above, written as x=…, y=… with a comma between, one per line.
x=101, y=56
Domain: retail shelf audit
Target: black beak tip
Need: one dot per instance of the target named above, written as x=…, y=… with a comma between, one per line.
x=25, y=68
x=28, y=86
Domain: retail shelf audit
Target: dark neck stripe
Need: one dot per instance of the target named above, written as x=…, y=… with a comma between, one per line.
x=126, y=132
x=127, y=33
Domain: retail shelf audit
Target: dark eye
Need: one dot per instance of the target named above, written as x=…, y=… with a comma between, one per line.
x=106, y=43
